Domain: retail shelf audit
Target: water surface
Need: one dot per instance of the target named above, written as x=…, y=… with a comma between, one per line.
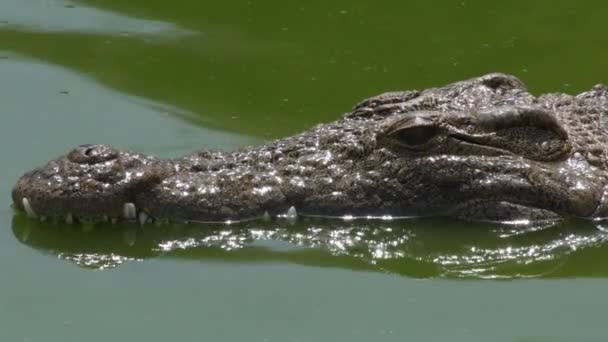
x=168, y=78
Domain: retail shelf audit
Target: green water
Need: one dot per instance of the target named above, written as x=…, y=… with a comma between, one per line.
x=166, y=78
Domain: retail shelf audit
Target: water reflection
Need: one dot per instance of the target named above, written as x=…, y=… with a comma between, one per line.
x=411, y=247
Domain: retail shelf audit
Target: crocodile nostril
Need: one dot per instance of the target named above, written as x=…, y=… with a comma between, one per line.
x=92, y=154
x=88, y=152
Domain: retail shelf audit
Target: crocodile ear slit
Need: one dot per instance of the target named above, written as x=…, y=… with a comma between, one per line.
x=520, y=116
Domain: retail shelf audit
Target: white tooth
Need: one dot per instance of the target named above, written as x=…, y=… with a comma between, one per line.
x=25, y=235
x=143, y=217
x=266, y=216
x=28, y=208
x=129, y=211
x=105, y=218
x=42, y=218
x=69, y=219
x=292, y=213
x=113, y=220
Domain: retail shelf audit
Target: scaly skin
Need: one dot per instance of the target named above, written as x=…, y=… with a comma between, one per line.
x=483, y=149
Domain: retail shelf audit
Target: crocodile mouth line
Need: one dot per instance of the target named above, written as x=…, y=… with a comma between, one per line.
x=131, y=214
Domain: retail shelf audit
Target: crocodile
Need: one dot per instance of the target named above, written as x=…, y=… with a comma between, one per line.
x=480, y=149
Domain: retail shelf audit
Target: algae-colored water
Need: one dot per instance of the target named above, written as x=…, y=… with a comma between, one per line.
x=166, y=78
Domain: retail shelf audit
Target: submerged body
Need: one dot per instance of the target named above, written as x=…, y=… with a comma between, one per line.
x=483, y=149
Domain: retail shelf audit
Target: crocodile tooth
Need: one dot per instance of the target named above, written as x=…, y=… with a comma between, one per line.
x=114, y=220
x=28, y=208
x=266, y=216
x=129, y=211
x=105, y=218
x=69, y=219
x=143, y=217
x=292, y=213
x=42, y=218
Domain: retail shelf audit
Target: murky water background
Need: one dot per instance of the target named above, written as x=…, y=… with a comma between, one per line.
x=168, y=78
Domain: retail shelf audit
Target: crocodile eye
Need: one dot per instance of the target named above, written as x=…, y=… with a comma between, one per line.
x=416, y=136
x=414, y=131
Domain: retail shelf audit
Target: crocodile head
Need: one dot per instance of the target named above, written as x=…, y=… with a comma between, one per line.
x=483, y=148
